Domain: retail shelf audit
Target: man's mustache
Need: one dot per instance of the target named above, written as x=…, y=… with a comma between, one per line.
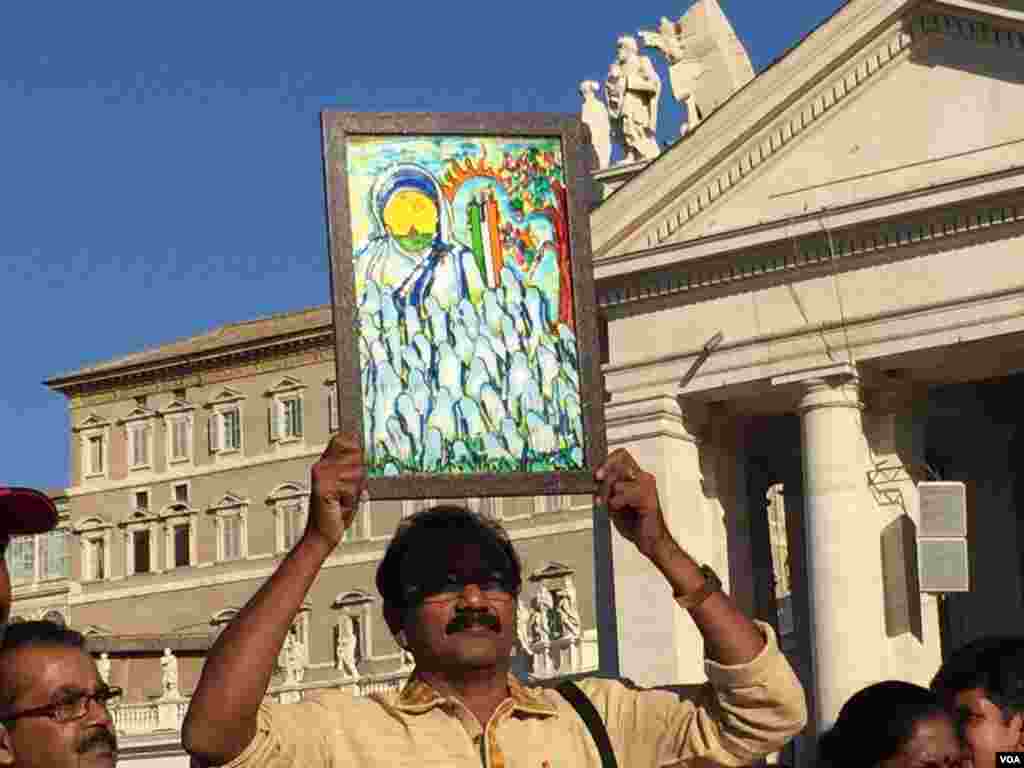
x=97, y=738
x=465, y=619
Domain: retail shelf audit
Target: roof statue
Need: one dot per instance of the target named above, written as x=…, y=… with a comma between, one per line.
x=707, y=63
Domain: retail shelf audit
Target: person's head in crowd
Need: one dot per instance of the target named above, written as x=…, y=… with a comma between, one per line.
x=449, y=581
x=53, y=703
x=22, y=511
x=984, y=683
x=891, y=724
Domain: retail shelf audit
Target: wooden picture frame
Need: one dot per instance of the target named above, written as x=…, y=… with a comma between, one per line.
x=466, y=327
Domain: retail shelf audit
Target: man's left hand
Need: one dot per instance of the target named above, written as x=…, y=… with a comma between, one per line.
x=631, y=496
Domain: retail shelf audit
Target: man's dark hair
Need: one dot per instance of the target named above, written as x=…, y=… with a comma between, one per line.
x=875, y=723
x=31, y=634
x=995, y=664
x=428, y=533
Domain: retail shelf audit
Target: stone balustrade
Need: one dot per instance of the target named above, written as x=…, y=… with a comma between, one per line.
x=151, y=717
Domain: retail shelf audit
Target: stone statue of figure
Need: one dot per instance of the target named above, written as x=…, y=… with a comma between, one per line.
x=595, y=116
x=294, y=660
x=103, y=667
x=346, y=648
x=569, y=613
x=523, y=625
x=631, y=92
x=540, y=629
x=707, y=62
x=169, y=674
x=668, y=39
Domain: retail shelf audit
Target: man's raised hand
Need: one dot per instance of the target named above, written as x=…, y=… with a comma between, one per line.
x=631, y=496
x=338, y=481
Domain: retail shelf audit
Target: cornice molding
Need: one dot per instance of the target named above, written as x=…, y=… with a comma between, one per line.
x=190, y=369
x=827, y=249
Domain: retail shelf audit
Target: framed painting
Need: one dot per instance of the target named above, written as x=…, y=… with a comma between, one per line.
x=464, y=310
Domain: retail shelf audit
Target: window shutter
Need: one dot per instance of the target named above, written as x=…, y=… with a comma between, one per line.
x=272, y=421
x=144, y=448
x=298, y=417
x=332, y=410
x=213, y=430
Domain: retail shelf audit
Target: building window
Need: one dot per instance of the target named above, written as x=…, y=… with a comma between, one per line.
x=294, y=523
x=96, y=455
x=140, y=551
x=21, y=559
x=54, y=555
x=179, y=533
x=180, y=438
x=226, y=430
x=93, y=443
x=231, y=420
x=231, y=536
x=286, y=418
x=139, y=434
x=43, y=557
x=284, y=413
x=142, y=501
x=182, y=545
x=181, y=493
x=231, y=514
x=95, y=565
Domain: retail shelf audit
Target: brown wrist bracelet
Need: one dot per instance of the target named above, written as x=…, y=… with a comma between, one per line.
x=691, y=600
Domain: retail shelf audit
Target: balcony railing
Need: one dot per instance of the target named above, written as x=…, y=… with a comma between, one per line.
x=168, y=714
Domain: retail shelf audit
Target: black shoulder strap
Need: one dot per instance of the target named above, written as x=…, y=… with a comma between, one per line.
x=588, y=712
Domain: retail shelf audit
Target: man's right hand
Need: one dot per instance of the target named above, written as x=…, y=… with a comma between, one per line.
x=338, y=481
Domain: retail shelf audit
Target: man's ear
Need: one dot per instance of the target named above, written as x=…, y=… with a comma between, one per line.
x=6, y=747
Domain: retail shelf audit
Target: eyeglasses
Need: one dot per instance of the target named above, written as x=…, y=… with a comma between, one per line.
x=494, y=587
x=70, y=706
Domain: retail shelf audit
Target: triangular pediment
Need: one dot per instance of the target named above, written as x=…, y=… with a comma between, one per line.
x=883, y=99
x=177, y=406
x=92, y=421
x=228, y=501
x=226, y=395
x=137, y=413
x=287, y=384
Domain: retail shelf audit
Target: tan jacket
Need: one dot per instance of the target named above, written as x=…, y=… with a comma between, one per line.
x=741, y=714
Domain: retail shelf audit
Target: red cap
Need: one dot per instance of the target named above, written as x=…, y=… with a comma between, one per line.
x=23, y=510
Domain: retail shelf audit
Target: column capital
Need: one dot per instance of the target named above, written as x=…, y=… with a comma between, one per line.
x=655, y=414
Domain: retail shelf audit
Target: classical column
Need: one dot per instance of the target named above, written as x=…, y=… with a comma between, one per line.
x=658, y=642
x=842, y=539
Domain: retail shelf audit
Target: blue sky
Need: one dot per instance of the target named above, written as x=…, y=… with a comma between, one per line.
x=160, y=169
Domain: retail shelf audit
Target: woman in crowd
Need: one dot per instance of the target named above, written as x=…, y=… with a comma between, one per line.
x=892, y=725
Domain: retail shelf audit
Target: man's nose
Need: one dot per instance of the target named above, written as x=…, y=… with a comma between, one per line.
x=471, y=595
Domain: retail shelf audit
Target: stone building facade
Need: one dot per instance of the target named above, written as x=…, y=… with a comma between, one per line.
x=832, y=264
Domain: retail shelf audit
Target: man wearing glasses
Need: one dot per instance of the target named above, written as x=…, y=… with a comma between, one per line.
x=53, y=711
x=53, y=704
x=449, y=581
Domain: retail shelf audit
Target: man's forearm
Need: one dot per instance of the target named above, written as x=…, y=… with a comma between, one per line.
x=221, y=719
x=730, y=637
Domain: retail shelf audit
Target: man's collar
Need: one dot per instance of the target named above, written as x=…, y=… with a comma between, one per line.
x=419, y=696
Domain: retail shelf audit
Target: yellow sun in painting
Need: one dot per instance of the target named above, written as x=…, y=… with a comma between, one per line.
x=411, y=218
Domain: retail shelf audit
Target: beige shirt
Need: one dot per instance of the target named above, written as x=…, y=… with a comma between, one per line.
x=741, y=714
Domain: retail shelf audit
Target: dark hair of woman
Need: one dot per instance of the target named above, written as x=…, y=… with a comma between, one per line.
x=876, y=723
